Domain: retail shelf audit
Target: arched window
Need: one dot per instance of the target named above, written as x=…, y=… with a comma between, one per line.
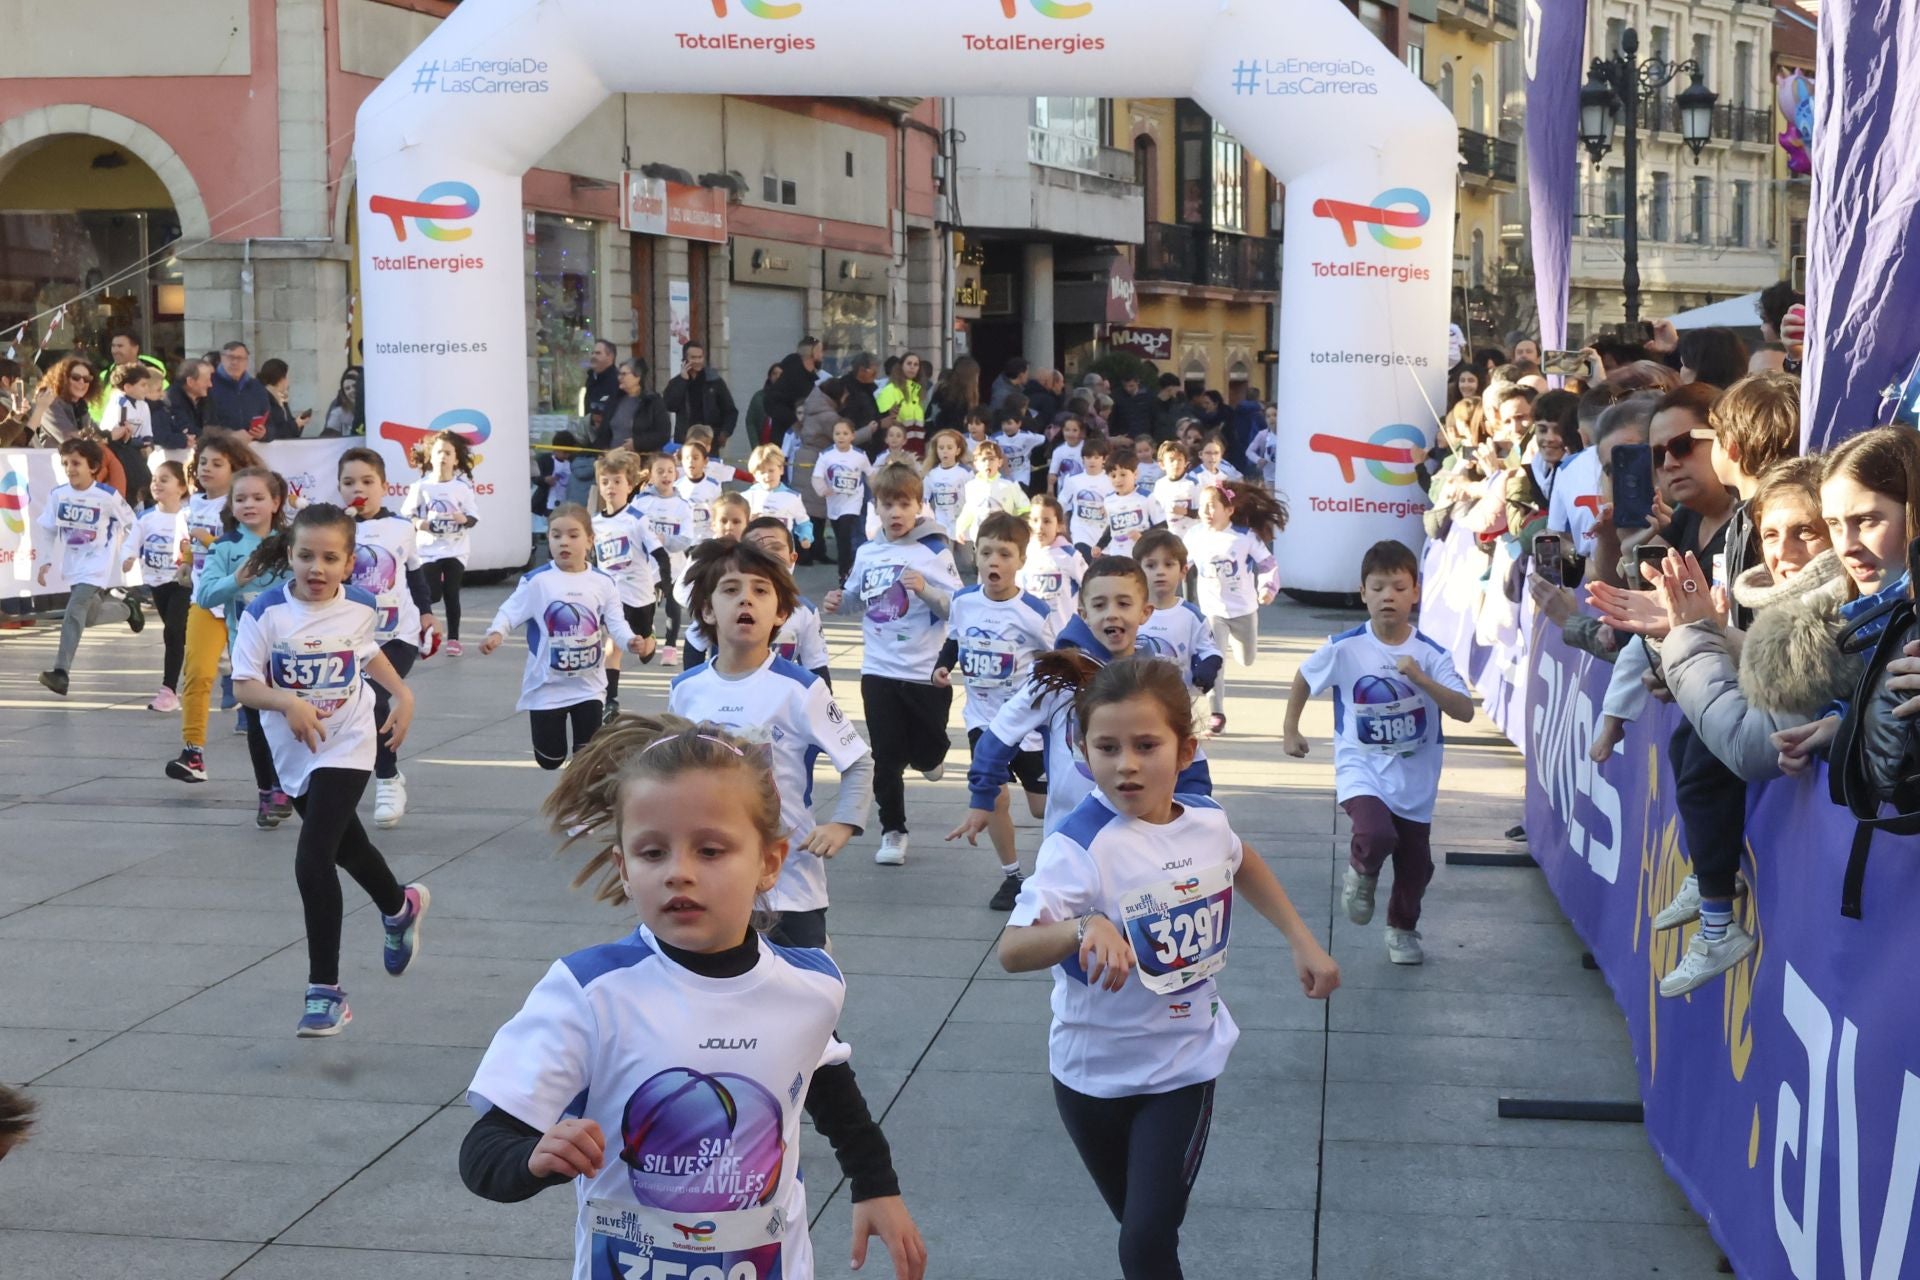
x=1446, y=84
x=1477, y=104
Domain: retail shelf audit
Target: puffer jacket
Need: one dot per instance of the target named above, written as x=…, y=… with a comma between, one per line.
x=1786, y=672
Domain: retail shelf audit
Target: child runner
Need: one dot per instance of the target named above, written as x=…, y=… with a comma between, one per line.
x=993, y=635
x=1085, y=498
x=303, y=657
x=1264, y=447
x=674, y=523
x=701, y=481
x=664, y=1074
x=386, y=565
x=801, y=639
x=1214, y=469
x=1177, y=492
x=1176, y=630
x=216, y=459
x=230, y=581
x=1230, y=551
x=87, y=519
x=840, y=476
x=904, y=581
x=987, y=493
x=1150, y=470
x=742, y=596
x=771, y=497
x=731, y=516
x=947, y=476
x=1065, y=462
x=443, y=505
x=1053, y=568
x=1130, y=513
x=160, y=534
x=627, y=550
x=1134, y=1058
x=1017, y=443
x=568, y=608
x=1390, y=686
x=976, y=433
x=893, y=452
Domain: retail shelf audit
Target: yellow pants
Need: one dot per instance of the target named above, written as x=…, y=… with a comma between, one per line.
x=206, y=641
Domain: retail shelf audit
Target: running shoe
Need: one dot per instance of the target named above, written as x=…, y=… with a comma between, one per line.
x=454, y=649
x=240, y=722
x=326, y=1013
x=936, y=773
x=893, y=850
x=282, y=804
x=55, y=680
x=1216, y=724
x=1684, y=909
x=389, y=801
x=136, y=617
x=166, y=701
x=1403, y=946
x=266, y=817
x=1706, y=960
x=403, y=930
x=608, y=712
x=189, y=766
x=669, y=654
x=1007, y=894
x=1356, y=895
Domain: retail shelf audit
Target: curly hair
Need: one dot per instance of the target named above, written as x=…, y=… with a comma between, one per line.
x=421, y=455
x=1255, y=508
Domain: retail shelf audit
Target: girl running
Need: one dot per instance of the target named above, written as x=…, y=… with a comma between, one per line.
x=1054, y=567
x=664, y=1074
x=443, y=505
x=216, y=459
x=731, y=516
x=840, y=476
x=303, y=657
x=1231, y=553
x=568, y=608
x=675, y=524
x=625, y=548
x=386, y=565
x=160, y=535
x=1134, y=1057
x=701, y=482
x=1214, y=470
x=230, y=581
x=947, y=477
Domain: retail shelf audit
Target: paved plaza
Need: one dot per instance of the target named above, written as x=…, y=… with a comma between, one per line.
x=152, y=967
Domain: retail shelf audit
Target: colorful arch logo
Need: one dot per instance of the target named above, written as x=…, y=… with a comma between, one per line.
x=1049, y=9
x=1402, y=208
x=13, y=502
x=1385, y=453
x=760, y=9
x=470, y=423
x=430, y=210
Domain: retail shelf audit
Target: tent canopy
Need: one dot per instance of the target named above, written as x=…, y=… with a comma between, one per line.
x=1742, y=312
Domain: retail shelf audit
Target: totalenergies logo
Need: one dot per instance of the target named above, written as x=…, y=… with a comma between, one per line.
x=470, y=423
x=1048, y=9
x=698, y=1232
x=1402, y=208
x=441, y=202
x=13, y=502
x=1391, y=454
x=1190, y=885
x=760, y=9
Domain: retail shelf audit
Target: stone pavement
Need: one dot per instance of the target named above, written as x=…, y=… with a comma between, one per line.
x=151, y=967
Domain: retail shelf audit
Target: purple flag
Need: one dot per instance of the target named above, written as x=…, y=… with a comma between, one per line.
x=1863, y=258
x=1552, y=41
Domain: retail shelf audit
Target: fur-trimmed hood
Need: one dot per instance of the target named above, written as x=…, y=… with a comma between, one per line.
x=1789, y=664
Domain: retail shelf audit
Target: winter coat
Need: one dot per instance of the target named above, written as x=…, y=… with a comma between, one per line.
x=236, y=405
x=705, y=401
x=1785, y=673
x=639, y=423
x=787, y=394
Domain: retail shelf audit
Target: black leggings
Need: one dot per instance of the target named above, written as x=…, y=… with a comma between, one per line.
x=550, y=731
x=170, y=601
x=1144, y=1152
x=673, y=618
x=265, y=776
x=1712, y=800
x=846, y=541
x=443, y=580
x=386, y=763
x=907, y=724
x=331, y=837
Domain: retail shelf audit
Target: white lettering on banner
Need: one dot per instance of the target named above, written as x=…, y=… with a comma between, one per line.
x=1560, y=732
x=1800, y=1238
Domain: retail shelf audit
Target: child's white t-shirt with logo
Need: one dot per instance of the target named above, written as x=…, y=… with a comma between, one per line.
x=1054, y=575
x=1180, y=499
x=946, y=489
x=157, y=536
x=386, y=548
x=1085, y=498
x=997, y=640
x=843, y=474
x=1130, y=515
x=445, y=505
x=566, y=620
x=319, y=653
x=903, y=636
x=623, y=547
x=86, y=526
x=1017, y=450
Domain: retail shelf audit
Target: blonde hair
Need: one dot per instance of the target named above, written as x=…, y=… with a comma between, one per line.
x=933, y=449
x=632, y=749
x=897, y=480
x=621, y=462
x=764, y=454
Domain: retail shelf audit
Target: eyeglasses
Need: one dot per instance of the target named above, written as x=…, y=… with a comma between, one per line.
x=80, y=375
x=1681, y=447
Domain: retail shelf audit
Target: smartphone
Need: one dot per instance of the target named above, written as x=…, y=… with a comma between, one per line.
x=1547, y=558
x=1632, y=486
x=1648, y=556
x=1564, y=364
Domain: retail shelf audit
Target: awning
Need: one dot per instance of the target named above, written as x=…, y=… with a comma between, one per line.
x=1742, y=312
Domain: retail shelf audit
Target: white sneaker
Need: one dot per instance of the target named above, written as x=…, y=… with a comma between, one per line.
x=936, y=773
x=389, y=800
x=1705, y=960
x=1403, y=946
x=1356, y=895
x=1685, y=907
x=893, y=850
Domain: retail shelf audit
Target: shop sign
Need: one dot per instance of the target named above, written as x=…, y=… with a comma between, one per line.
x=654, y=206
x=1148, y=344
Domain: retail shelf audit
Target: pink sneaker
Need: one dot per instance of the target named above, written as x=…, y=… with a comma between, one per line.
x=454, y=649
x=165, y=701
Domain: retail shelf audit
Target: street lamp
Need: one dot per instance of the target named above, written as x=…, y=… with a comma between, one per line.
x=1617, y=86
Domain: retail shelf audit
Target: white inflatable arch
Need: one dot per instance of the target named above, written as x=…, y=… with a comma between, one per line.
x=1367, y=154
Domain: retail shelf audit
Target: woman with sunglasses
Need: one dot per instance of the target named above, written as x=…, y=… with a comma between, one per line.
x=1682, y=445
x=60, y=409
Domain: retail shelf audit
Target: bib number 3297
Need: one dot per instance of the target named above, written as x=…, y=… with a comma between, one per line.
x=1179, y=928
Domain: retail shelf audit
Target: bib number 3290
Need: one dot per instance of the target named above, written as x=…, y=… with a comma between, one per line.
x=1179, y=928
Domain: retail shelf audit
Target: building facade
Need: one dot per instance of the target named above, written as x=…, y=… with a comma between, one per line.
x=1796, y=47
x=1461, y=61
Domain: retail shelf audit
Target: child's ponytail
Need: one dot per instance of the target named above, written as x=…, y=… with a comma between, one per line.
x=1256, y=508
x=274, y=555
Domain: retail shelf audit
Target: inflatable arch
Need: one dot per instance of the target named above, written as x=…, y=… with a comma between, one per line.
x=1367, y=154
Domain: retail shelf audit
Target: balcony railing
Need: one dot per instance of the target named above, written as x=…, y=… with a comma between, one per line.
x=1198, y=255
x=1081, y=155
x=1488, y=157
x=1730, y=123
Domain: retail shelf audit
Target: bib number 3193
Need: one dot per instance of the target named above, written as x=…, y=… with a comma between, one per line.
x=1179, y=928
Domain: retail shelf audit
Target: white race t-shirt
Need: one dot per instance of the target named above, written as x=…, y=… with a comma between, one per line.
x=386, y=549
x=1170, y=889
x=698, y=1084
x=840, y=476
x=445, y=506
x=1065, y=463
x=1387, y=739
x=157, y=538
x=86, y=526
x=1054, y=574
x=1234, y=568
x=1180, y=499
x=203, y=520
x=623, y=547
x=567, y=619
x=320, y=653
x=998, y=640
x=699, y=495
x=1085, y=498
x=792, y=710
x=1018, y=449
x=946, y=489
x=784, y=505
x=903, y=636
x=1577, y=478
x=1129, y=516
x=1180, y=635
x=1214, y=479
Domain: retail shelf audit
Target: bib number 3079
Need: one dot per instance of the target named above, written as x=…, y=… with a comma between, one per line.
x=1179, y=928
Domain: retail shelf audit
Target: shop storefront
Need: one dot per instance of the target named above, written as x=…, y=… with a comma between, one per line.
x=855, y=303
x=565, y=294
x=766, y=307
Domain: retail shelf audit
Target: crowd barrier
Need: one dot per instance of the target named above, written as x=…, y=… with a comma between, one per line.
x=1782, y=1099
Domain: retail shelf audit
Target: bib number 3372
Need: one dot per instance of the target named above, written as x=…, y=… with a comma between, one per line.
x=1179, y=928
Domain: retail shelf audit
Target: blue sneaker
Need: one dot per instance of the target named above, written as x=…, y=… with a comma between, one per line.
x=326, y=1013
x=403, y=930
x=240, y=723
x=227, y=701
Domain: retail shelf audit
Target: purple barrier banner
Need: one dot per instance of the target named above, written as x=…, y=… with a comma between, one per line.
x=1553, y=35
x=1783, y=1098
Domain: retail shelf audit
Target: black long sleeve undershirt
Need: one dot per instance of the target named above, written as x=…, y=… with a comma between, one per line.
x=494, y=1154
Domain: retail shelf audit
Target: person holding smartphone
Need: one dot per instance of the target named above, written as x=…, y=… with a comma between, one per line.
x=698, y=397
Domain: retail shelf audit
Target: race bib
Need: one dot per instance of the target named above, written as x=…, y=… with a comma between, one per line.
x=1047, y=585
x=1388, y=715
x=986, y=663
x=665, y=529
x=1179, y=928
x=615, y=554
x=1181, y=509
x=573, y=638
x=845, y=481
x=1090, y=510
x=1224, y=570
x=321, y=671
x=1126, y=522
x=886, y=600
x=194, y=531
x=945, y=499
x=444, y=525
x=633, y=1242
x=157, y=552
x=80, y=521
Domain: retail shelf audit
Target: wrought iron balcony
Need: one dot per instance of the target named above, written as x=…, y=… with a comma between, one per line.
x=1487, y=157
x=1730, y=123
x=1201, y=256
